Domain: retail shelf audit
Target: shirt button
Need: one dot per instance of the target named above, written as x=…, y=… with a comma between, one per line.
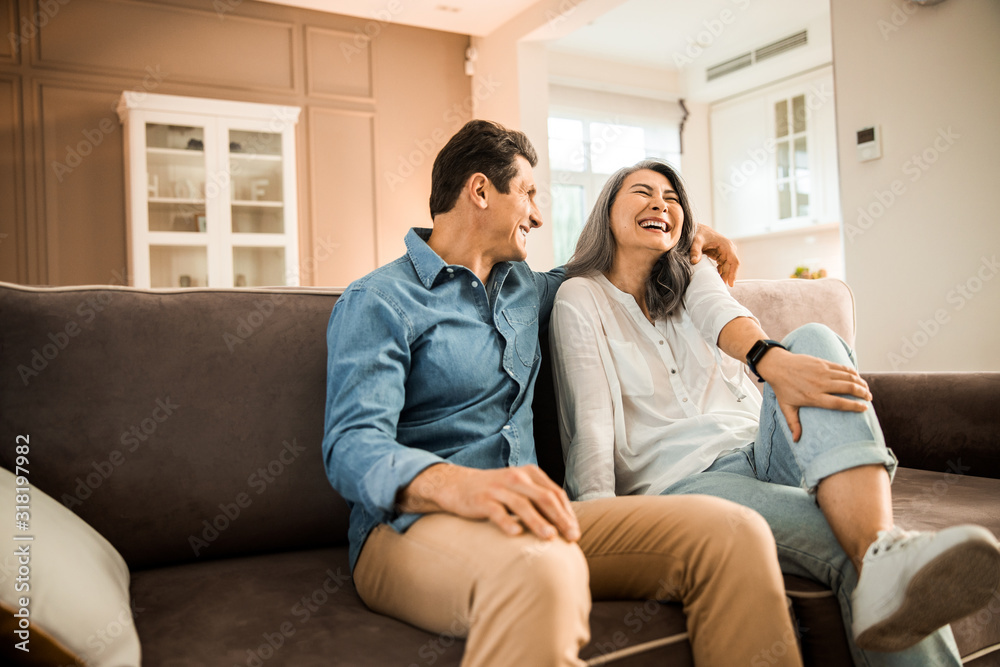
x=507, y=427
x=475, y=284
x=661, y=342
x=685, y=400
x=450, y=270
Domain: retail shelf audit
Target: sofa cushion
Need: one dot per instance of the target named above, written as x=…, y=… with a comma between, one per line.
x=300, y=608
x=925, y=500
x=65, y=588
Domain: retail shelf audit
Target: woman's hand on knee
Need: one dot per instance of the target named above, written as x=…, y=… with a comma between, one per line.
x=800, y=380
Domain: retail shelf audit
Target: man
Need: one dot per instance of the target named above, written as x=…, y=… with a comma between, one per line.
x=428, y=435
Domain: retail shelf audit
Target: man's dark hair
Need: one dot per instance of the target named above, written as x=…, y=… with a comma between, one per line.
x=481, y=146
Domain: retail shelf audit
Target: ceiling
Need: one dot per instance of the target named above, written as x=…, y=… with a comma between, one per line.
x=653, y=33
x=466, y=17
x=672, y=33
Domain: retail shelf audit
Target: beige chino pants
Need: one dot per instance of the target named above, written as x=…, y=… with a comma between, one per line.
x=524, y=602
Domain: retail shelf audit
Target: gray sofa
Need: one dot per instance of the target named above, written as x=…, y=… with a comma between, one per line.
x=187, y=426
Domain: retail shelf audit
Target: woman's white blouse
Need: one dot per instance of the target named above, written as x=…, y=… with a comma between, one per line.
x=642, y=406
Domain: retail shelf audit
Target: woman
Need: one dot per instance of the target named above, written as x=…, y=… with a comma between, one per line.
x=649, y=404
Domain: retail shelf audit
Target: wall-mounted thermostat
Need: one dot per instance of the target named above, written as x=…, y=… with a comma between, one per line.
x=869, y=143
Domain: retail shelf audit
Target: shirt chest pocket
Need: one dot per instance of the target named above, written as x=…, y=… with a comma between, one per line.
x=630, y=365
x=524, y=322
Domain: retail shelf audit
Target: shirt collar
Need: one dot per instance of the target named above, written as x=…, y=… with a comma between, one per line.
x=427, y=263
x=624, y=298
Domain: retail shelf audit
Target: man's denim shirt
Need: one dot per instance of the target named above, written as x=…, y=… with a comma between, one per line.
x=427, y=365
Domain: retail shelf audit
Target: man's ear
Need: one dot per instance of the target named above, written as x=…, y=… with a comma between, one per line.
x=477, y=188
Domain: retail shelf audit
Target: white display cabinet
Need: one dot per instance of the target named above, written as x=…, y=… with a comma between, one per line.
x=211, y=192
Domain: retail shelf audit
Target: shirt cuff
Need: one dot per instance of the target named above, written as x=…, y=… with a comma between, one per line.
x=382, y=483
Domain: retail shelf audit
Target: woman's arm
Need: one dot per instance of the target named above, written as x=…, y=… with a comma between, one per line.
x=585, y=406
x=798, y=380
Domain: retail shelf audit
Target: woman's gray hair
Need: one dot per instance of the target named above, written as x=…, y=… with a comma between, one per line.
x=595, y=249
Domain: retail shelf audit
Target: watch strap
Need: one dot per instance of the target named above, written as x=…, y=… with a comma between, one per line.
x=757, y=353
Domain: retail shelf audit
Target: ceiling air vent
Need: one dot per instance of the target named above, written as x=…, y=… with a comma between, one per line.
x=782, y=45
x=755, y=56
x=737, y=63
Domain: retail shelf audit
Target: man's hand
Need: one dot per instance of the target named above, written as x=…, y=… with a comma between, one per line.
x=800, y=380
x=512, y=498
x=709, y=242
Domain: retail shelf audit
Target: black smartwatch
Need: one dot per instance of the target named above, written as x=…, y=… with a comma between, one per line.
x=757, y=353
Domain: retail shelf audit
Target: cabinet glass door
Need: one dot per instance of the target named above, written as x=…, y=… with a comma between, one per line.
x=175, y=169
x=255, y=163
x=257, y=208
x=176, y=173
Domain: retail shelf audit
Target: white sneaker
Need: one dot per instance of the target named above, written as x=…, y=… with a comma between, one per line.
x=913, y=583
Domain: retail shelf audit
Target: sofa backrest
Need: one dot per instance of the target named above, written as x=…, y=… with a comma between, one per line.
x=181, y=425
x=185, y=425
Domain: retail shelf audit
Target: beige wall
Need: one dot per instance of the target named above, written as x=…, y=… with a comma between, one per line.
x=513, y=64
x=378, y=102
x=776, y=256
x=921, y=259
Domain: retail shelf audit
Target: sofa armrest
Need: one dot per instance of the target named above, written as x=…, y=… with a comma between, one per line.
x=943, y=422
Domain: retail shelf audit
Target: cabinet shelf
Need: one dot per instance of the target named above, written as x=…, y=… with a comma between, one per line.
x=175, y=200
x=251, y=203
x=255, y=156
x=174, y=152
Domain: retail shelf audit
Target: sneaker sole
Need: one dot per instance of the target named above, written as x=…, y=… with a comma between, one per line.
x=958, y=582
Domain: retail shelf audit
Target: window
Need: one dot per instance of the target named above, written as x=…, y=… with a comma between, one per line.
x=587, y=146
x=792, y=155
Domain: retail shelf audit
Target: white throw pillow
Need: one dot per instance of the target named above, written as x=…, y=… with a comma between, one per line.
x=74, y=583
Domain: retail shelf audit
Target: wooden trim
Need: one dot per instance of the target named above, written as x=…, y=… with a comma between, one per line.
x=242, y=87
x=310, y=88
x=12, y=55
x=19, y=225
